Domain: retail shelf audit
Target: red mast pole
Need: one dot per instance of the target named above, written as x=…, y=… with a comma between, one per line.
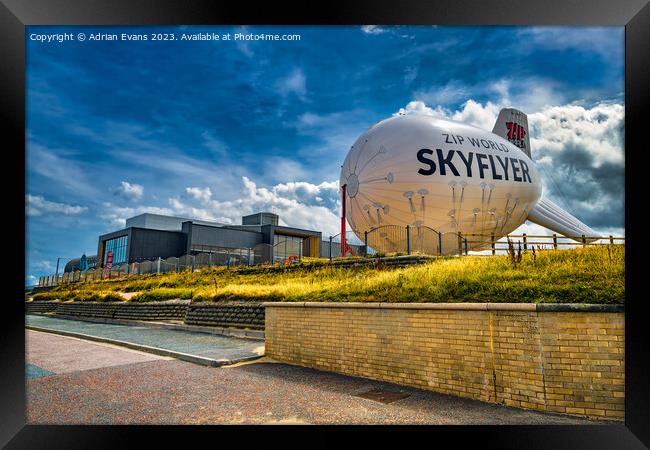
x=344, y=244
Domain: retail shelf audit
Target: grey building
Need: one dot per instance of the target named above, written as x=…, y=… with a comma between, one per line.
x=151, y=236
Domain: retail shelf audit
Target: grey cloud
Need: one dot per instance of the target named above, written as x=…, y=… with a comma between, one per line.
x=595, y=195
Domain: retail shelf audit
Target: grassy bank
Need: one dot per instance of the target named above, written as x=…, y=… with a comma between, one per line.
x=582, y=275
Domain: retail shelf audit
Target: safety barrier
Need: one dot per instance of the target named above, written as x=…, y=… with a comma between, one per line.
x=260, y=254
x=415, y=239
x=528, y=242
x=386, y=240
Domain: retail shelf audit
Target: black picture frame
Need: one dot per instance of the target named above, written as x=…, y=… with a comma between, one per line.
x=633, y=14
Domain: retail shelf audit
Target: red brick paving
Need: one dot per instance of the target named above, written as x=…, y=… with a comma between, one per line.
x=163, y=391
x=62, y=354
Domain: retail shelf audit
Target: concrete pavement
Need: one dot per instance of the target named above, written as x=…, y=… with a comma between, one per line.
x=200, y=348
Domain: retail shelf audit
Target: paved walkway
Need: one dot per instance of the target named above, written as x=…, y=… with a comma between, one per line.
x=49, y=354
x=199, y=344
x=83, y=382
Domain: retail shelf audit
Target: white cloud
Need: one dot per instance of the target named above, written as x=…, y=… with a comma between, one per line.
x=373, y=29
x=552, y=128
x=596, y=129
x=178, y=167
x=528, y=94
x=243, y=45
x=31, y=280
x=203, y=194
x=333, y=134
x=482, y=116
x=43, y=265
x=411, y=73
x=595, y=39
x=472, y=113
x=325, y=193
x=279, y=168
x=578, y=150
x=36, y=205
x=208, y=213
x=393, y=30
x=337, y=131
x=294, y=82
x=299, y=204
x=214, y=144
x=129, y=191
x=61, y=171
x=453, y=91
x=296, y=203
x=419, y=107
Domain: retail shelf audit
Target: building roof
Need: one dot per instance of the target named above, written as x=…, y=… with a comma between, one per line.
x=162, y=222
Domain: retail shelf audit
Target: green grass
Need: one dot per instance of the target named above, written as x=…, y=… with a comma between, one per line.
x=582, y=275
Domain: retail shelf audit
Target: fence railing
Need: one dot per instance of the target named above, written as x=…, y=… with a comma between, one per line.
x=528, y=241
x=415, y=239
x=331, y=248
x=260, y=254
x=425, y=240
x=385, y=239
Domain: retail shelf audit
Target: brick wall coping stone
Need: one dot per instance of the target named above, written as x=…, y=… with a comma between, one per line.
x=539, y=307
x=578, y=307
x=243, y=303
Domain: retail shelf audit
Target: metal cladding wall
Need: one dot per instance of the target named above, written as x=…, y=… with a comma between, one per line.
x=155, y=222
x=220, y=237
x=260, y=219
x=162, y=222
x=151, y=244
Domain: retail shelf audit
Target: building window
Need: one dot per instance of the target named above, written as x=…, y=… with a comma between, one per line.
x=223, y=255
x=285, y=246
x=118, y=247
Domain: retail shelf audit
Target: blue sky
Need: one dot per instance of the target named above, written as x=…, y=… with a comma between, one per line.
x=215, y=129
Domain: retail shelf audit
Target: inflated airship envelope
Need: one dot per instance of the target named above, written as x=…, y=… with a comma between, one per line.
x=448, y=177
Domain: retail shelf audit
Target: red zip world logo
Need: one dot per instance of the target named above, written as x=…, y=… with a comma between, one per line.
x=515, y=131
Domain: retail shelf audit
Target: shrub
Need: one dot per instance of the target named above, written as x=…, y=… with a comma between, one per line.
x=162, y=294
x=112, y=297
x=46, y=296
x=93, y=296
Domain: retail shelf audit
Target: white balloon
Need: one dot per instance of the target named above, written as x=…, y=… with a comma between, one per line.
x=437, y=174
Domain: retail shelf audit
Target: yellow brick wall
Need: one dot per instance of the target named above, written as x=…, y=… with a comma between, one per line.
x=565, y=362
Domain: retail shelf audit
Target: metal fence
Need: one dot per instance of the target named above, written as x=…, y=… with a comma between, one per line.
x=425, y=240
x=331, y=248
x=386, y=239
x=260, y=254
x=493, y=245
x=414, y=239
